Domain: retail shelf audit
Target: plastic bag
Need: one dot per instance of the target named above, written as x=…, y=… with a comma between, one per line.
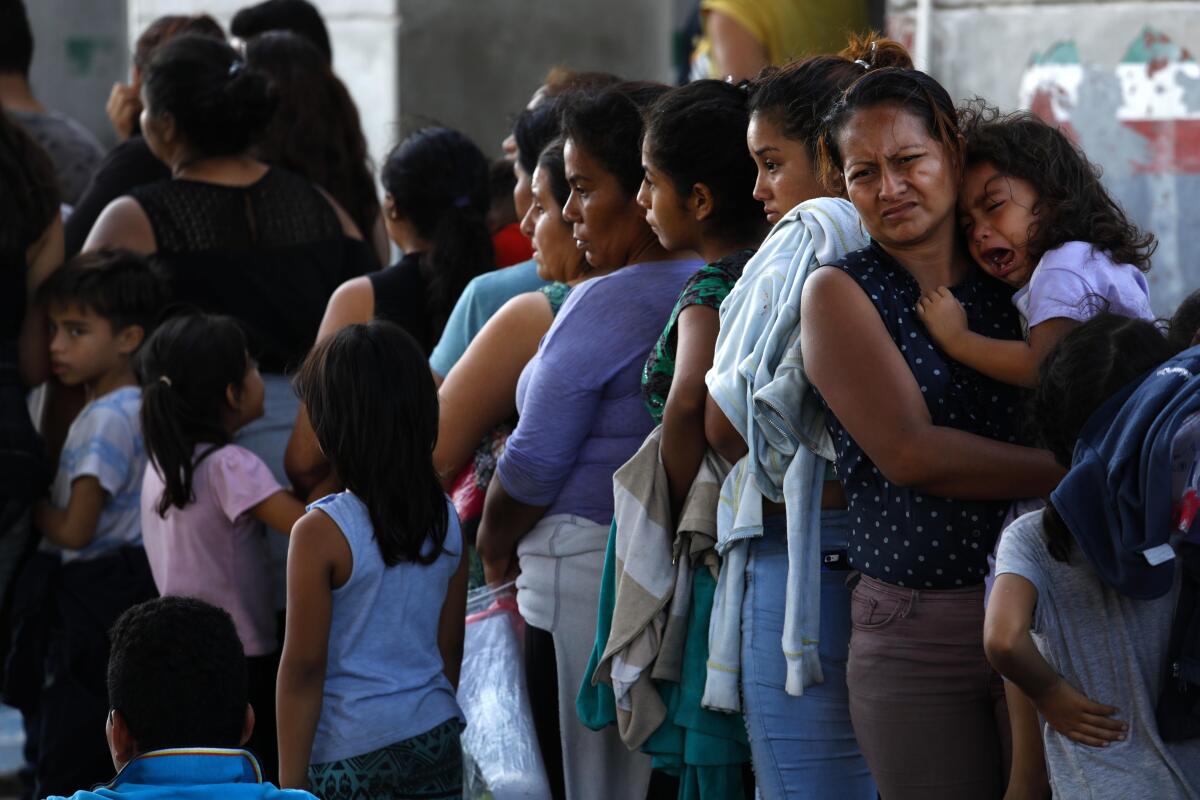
x=500, y=747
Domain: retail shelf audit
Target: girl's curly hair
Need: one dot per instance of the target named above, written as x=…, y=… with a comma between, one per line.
x=1073, y=204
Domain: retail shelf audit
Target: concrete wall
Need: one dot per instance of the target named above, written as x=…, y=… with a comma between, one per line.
x=1119, y=77
x=469, y=64
x=80, y=50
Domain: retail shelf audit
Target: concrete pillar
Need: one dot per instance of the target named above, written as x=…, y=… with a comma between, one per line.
x=472, y=64
x=1120, y=77
x=79, y=51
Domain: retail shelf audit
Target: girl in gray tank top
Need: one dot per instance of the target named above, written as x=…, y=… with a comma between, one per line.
x=376, y=582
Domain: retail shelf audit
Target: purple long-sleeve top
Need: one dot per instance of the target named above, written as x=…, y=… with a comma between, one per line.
x=579, y=398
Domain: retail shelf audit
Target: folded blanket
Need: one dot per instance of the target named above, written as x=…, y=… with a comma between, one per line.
x=653, y=580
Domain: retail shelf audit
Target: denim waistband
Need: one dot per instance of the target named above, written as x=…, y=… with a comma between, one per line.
x=835, y=531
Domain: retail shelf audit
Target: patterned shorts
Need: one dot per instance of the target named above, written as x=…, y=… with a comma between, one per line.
x=425, y=767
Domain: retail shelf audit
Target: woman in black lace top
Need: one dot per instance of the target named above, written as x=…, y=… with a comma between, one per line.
x=236, y=236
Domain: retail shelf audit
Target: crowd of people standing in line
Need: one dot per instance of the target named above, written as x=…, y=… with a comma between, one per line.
x=800, y=434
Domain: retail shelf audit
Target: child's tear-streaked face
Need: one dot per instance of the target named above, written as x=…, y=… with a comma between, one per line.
x=997, y=214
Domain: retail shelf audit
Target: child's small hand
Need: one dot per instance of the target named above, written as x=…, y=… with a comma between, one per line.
x=943, y=315
x=1079, y=718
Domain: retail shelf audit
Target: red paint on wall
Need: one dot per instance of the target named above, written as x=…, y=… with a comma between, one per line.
x=1042, y=104
x=1174, y=146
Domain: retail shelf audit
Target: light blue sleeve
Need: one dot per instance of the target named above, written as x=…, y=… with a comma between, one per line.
x=482, y=298
x=105, y=444
x=455, y=336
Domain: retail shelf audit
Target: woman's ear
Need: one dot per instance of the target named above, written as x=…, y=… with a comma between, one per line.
x=165, y=128
x=233, y=396
x=701, y=202
x=389, y=207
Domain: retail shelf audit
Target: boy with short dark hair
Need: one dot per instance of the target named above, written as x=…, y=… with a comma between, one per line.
x=179, y=714
x=101, y=308
x=90, y=565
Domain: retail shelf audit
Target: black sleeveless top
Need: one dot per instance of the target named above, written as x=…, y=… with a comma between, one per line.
x=400, y=298
x=269, y=254
x=900, y=535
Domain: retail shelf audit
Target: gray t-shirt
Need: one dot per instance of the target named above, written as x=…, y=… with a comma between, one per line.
x=1113, y=649
x=72, y=148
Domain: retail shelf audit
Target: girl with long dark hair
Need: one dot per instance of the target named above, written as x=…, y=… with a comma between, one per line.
x=377, y=583
x=1036, y=216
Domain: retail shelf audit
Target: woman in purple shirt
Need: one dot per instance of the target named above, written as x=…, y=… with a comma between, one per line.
x=550, y=503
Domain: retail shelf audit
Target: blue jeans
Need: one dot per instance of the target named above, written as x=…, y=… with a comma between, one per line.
x=801, y=746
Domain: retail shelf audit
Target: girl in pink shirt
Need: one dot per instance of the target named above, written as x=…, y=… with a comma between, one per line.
x=1034, y=214
x=205, y=501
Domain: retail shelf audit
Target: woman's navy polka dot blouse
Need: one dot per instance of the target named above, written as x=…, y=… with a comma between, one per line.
x=900, y=535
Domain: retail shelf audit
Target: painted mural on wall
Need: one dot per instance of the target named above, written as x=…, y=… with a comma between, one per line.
x=1141, y=122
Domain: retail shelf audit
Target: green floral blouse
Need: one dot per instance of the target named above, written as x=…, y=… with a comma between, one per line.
x=708, y=287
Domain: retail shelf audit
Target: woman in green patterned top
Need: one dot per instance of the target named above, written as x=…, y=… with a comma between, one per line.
x=699, y=195
x=479, y=393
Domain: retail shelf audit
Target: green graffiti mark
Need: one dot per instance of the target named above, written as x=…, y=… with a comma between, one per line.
x=83, y=51
x=1059, y=53
x=1153, y=46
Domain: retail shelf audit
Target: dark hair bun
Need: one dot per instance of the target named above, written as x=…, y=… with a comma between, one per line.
x=247, y=99
x=877, y=52
x=218, y=102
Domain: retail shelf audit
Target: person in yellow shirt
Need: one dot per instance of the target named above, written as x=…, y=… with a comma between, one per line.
x=741, y=37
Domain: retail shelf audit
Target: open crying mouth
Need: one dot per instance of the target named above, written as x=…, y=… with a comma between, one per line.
x=1001, y=258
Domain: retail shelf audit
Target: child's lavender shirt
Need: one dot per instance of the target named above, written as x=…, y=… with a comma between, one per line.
x=580, y=397
x=212, y=548
x=1077, y=281
x=105, y=442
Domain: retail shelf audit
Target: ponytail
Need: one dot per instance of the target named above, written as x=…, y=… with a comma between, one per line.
x=186, y=367
x=439, y=180
x=460, y=245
